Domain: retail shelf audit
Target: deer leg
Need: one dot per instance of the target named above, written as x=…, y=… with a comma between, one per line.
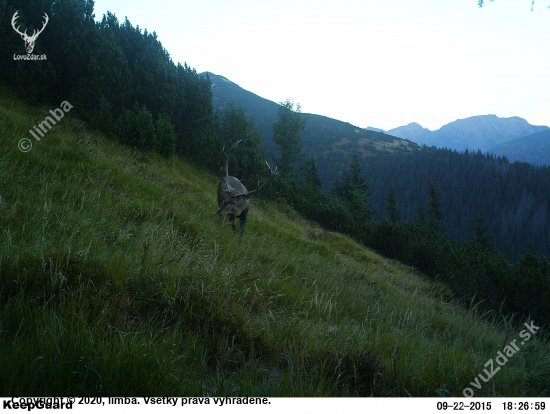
x=232, y=221
x=242, y=218
x=242, y=222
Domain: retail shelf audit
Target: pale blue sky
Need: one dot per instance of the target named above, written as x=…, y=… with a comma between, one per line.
x=371, y=63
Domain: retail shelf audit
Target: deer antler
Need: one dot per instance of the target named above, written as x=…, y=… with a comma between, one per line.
x=271, y=175
x=226, y=178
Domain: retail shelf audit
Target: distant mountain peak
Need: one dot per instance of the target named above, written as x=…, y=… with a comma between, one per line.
x=215, y=78
x=415, y=125
x=369, y=128
x=413, y=131
x=476, y=132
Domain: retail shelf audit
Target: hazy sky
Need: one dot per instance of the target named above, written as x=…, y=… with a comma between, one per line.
x=380, y=63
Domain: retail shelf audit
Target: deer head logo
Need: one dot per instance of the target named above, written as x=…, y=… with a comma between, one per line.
x=29, y=40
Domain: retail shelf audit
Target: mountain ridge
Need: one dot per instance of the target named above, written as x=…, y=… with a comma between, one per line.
x=413, y=131
x=321, y=134
x=534, y=149
x=481, y=132
x=324, y=135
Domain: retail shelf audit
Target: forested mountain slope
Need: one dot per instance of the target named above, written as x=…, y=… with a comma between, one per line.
x=534, y=149
x=512, y=197
x=322, y=136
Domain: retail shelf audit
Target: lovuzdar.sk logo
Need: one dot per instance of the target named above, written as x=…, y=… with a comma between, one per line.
x=29, y=40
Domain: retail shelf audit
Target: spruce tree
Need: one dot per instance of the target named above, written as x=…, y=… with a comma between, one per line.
x=286, y=134
x=248, y=163
x=435, y=212
x=356, y=192
x=421, y=215
x=166, y=137
x=480, y=238
x=310, y=174
x=393, y=214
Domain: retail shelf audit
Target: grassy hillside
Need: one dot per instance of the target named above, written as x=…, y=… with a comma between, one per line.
x=117, y=278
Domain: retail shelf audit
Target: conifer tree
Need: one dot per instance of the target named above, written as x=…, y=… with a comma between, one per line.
x=249, y=161
x=166, y=137
x=421, y=215
x=435, y=212
x=310, y=174
x=480, y=237
x=393, y=214
x=357, y=182
x=286, y=134
x=135, y=127
x=355, y=190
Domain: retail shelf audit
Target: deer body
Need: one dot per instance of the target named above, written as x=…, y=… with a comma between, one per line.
x=233, y=197
x=233, y=207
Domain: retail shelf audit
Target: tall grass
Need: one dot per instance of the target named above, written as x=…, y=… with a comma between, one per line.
x=117, y=278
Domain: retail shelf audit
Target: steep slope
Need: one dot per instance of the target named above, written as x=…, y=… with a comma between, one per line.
x=534, y=149
x=117, y=277
x=477, y=132
x=321, y=135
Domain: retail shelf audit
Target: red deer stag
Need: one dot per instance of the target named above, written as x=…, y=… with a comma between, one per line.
x=233, y=197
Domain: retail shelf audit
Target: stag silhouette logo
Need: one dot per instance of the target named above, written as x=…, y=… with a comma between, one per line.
x=29, y=40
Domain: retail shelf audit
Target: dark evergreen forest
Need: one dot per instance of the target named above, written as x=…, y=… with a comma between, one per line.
x=513, y=197
x=120, y=80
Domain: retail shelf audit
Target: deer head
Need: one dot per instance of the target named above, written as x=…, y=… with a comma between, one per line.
x=29, y=40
